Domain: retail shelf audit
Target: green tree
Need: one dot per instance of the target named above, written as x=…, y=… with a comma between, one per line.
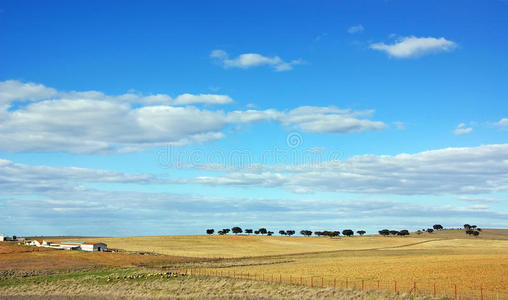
x=348, y=232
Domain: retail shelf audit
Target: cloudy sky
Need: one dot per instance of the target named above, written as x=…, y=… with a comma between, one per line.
x=158, y=117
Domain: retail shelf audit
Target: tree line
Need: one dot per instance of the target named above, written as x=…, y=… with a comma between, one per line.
x=470, y=230
x=263, y=231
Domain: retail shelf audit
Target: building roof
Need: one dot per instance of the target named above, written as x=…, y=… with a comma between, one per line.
x=93, y=243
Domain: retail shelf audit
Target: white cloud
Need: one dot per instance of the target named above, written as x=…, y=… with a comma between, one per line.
x=462, y=129
x=90, y=121
x=408, y=47
x=503, y=122
x=475, y=170
x=187, y=99
x=12, y=90
x=21, y=178
x=313, y=119
x=37, y=199
x=250, y=60
x=478, y=199
x=355, y=29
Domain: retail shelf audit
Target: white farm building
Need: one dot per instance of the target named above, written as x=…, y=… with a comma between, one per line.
x=85, y=246
x=94, y=247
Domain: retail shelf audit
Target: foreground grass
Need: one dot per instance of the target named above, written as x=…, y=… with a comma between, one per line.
x=129, y=283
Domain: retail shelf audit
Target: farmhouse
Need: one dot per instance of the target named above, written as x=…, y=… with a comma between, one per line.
x=38, y=243
x=94, y=247
x=85, y=246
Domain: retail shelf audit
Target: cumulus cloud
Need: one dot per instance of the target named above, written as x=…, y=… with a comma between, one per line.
x=410, y=47
x=474, y=170
x=313, y=119
x=11, y=90
x=355, y=29
x=462, y=129
x=90, y=121
x=22, y=178
x=250, y=60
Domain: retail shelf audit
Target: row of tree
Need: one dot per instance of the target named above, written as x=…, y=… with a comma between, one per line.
x=470, y=230
x=263, y=231
x=386, y=232
x=237, y=230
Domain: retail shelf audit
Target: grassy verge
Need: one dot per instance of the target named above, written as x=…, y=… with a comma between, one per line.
x=129, y=283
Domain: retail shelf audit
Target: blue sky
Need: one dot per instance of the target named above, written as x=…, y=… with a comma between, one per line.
x=170, y=118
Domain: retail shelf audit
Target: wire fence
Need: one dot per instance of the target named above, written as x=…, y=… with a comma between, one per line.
x=432, y=289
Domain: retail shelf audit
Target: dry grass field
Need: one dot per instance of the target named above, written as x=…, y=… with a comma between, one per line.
x=27, y=258
x=445, y=258
x=233, y=246
x=448, y=258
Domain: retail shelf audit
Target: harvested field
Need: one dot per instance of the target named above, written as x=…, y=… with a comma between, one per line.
x=16, y=257
x=250, y=246
x=447, y=259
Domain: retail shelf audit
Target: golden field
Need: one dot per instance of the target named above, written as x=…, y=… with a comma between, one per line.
x=236, y=246
x=447, y=258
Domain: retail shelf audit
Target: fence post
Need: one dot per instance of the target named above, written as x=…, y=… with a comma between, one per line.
x=290, y=279
x=414, y=287
x=263, y=277
x=378, y=284
x=455, y=291
x=362, y=285
x=322, y=283
x=300, y=279
x=346, y=283
x=311, y=281
x=481, y=291
x=395, y=286
x=280, y=278
x=434, y=290
x=335, y=283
